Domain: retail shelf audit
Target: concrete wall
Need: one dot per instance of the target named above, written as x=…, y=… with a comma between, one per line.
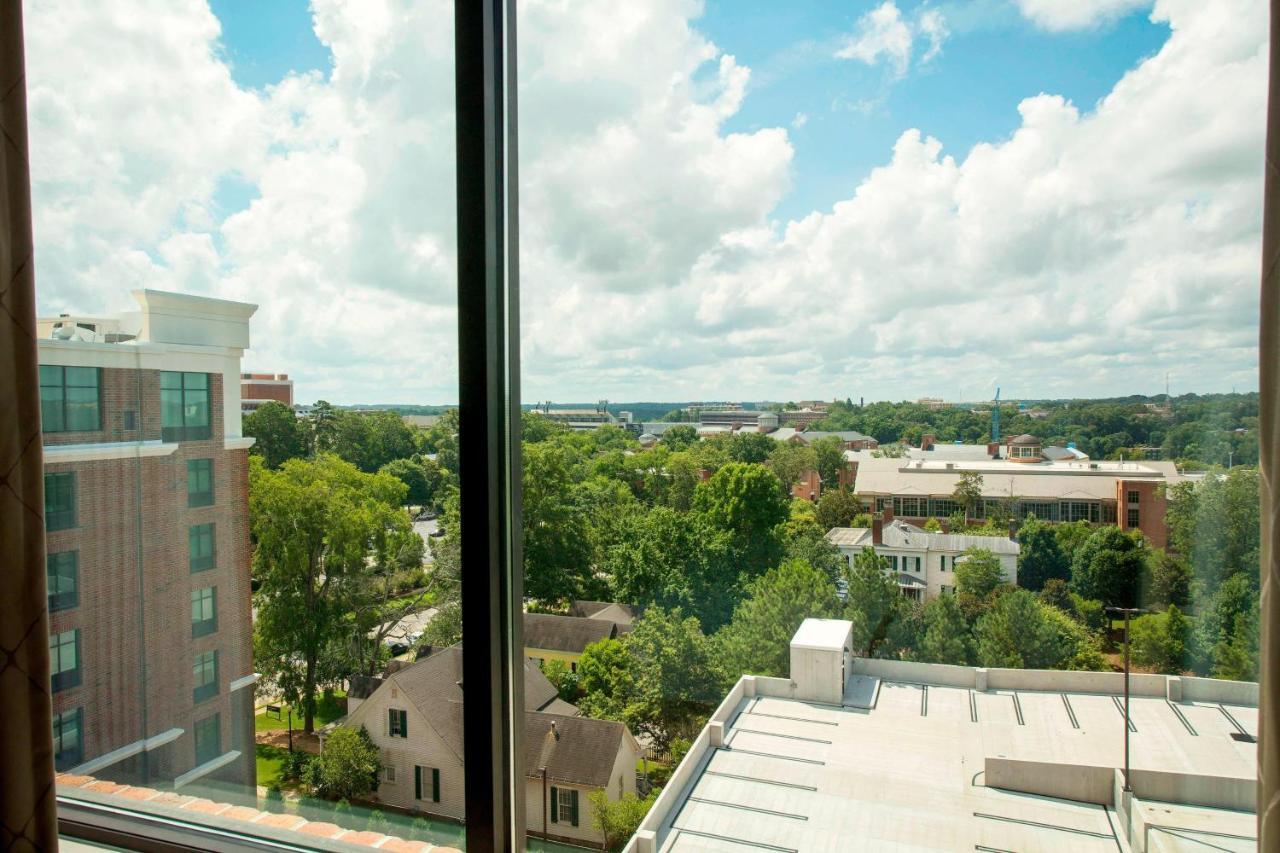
x=1140, y=684
x=1098, y=783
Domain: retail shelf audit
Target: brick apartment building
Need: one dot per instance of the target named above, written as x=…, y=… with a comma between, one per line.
x=146, y=507
x=259, y=388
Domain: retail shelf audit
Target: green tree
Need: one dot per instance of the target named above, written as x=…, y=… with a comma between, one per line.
x=677, y=683
x=836, y=508
x=1214, y=523
x=606, y=681
x=968, y=492
x=789, y=461
x=978, y=574
x=1226, y=636
x=746, y=502
x=831, y=462
x=1014, y=633
x=1110, y=567
x=679, y=437
x=370, y=440
x=1071, y=537
x=320, y=527
x=1170, y=580
x=683, y=477
x=809, y=545
x=1056, y=594
x=757, y=641
x=672, y=559
x=619, y=819
x=349, y=763
x=1161, y=641
x=1041, y=558
x=946, y=636
x=414, y=477
x=874, y=601
x=751, y=447
x=278, y=434
x=557, y=547
x=564, y=679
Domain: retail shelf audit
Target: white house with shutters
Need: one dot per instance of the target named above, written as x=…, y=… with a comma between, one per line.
x=415, y=718
x=923, y=563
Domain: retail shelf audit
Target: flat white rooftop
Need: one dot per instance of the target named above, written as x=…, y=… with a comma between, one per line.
x=907, y=772
x=828, y=634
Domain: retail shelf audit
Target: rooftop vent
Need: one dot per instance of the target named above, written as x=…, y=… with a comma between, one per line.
x=1243, y=737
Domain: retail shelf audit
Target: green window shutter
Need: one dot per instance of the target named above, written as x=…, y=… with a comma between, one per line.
x=555, y=805
x=573, y=815
x=435, y=784
x=404, y=724
x=391, y=721
x=417, y=782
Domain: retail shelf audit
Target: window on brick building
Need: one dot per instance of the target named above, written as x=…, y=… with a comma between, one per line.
x=68, y=738
x=70, y=398
x=1132, y=518
x=204, y=676
x=208, y=738
x=1134, y=497
x=59, y=501
x=63, y=580
x=199, y=482
x=200, y=548
x=64, y=659
x=184, y=406
x=204, y=611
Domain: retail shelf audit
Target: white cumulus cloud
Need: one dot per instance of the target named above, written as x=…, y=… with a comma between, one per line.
x=1060, y=15
x=883, y=34
x=1092, y=249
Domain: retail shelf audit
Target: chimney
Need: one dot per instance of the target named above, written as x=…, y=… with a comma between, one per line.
x=554, y=732
x=928, y=441
x=993, y=449
x=877, y=530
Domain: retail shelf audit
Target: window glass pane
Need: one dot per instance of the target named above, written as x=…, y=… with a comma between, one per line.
x=314, y=457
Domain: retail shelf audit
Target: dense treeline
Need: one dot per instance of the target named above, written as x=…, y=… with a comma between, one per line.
x=1215, y=429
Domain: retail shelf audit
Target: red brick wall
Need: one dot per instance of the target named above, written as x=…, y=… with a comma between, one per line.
x=261, y=391
x=1151, y=509
x=134, y=611
x=808, y=487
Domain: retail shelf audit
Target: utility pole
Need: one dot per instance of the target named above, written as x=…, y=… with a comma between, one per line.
x=1128, y=612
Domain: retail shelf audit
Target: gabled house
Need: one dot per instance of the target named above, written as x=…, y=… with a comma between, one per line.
x=922, y=563
x=415, y=718
x=548, y=636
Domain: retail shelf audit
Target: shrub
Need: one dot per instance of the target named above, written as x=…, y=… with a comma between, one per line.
x=349, y=764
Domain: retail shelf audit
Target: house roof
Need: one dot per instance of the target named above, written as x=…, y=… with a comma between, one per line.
x=1066, y=480
x=1025, y=439
x=565, y=633
x=623, y=614
x=362, y=686
x=578, y=750
x=902, y=536
x=843, y=435
x=434, y=686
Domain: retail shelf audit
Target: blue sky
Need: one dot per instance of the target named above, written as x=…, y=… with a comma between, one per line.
x=969, y=93
x=1089, y=250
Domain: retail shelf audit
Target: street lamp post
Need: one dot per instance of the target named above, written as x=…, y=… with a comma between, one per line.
x=1128, y=612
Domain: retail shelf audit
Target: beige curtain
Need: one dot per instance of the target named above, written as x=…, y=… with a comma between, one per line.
x=28, y=820
x=1269, y=440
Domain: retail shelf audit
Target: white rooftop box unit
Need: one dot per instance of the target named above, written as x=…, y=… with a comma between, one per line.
x=821, y=653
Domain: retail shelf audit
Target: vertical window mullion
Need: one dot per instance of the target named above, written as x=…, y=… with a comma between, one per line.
x=489, y=404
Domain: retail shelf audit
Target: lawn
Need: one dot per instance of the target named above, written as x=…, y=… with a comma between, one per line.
x=328, y=709
x=270, y=760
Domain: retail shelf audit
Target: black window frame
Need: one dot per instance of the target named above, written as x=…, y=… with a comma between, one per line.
x=57, y=485
x=62, y=600
x=199, y=470
x=67, y=678
x=63, y=758
x=61, y=423
x=203, y=691
x=1133, y=518
x=202, y=562
x=201, y=729
x=186, y=431
x=208, y=625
